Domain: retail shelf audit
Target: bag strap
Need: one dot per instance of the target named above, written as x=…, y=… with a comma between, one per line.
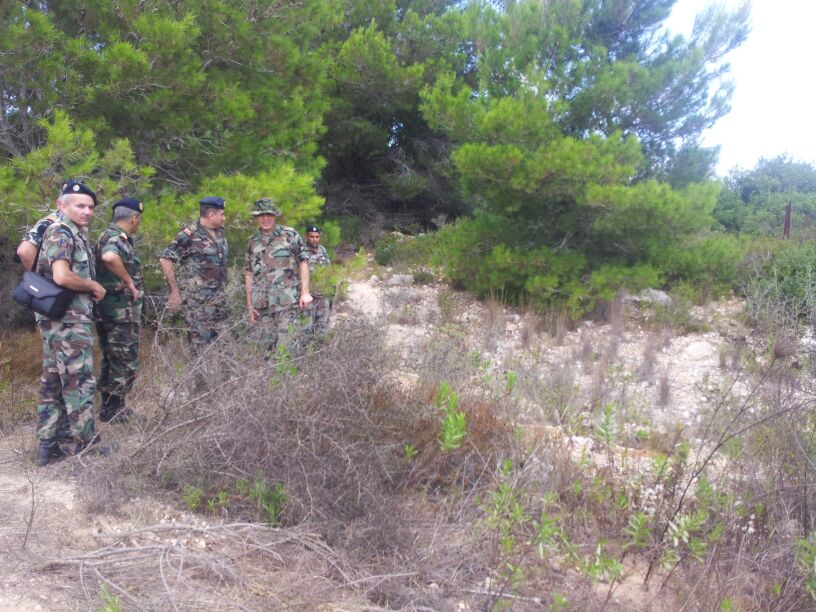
x=39, y=248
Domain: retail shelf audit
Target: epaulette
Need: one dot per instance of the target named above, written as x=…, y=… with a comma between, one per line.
x=53, y=217
x=123, y=236
x=187, y=231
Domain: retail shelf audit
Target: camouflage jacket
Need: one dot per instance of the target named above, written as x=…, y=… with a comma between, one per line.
x=64, y=240
x=273, y=261
x=203, y=260
x=118, y=304
x=35, y=234
x=318, y=257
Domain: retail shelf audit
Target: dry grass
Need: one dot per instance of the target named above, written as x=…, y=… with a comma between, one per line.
x=20, y=368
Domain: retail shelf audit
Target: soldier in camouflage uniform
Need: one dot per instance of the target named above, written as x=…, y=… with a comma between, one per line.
x=201, y=250
x=68, y=383
x=275, y=258
x=120, y=313
x=320, y=308
x=30, y=244
x=26, y=253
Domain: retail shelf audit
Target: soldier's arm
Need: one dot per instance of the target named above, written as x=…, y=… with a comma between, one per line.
x=114, y=263
x=252, y=313
x=305, y=296
x=169, y=271
x=27, y=251
x=65, y=277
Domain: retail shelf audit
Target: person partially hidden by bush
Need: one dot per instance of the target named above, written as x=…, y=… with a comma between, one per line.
x=120, y=311
x=276, y=276
x=201, y=251
x=320, y=308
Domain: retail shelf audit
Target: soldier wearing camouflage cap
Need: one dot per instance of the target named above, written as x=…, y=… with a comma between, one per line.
x=120, y=312
x=276, y=276
x=201, y=251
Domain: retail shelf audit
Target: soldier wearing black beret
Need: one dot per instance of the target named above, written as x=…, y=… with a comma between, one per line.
x=201, y=251
x=119, y=320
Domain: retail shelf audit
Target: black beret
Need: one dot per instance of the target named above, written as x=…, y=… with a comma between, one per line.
x=213, y=201
x=312, y=228
x=131, y=203
x=74, y=187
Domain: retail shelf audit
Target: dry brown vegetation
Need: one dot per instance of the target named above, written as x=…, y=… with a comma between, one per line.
x=317, y=478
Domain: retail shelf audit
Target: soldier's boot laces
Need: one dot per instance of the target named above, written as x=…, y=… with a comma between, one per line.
x=49, y=451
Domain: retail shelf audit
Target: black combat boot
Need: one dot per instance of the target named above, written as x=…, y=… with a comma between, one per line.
x=94, y=446
x=120, y=414
x=49, y=451
x=106, y=411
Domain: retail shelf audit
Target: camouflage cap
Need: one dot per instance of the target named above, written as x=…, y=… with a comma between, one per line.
x=265, y=206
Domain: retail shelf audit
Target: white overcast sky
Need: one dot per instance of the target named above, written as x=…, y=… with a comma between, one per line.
x=773, y=110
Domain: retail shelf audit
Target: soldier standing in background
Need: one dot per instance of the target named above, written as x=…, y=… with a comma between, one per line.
x=320, y=308
x=276, y=276
x=68, y=383
x=201, y=251
x=120, y=312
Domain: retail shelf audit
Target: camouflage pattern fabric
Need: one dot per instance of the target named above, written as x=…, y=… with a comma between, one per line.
x=120, y=317
x=64, y=240
x=202, y=280
x=35, y=234
x=67, y=384
x=277, y=327
x=118, y=304
x=119, y=343
x=273, y=260
x=319, y=310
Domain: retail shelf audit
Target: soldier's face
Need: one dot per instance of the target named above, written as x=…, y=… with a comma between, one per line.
x=266, y=223
x=217, y=218
x=79, y=208
x=313, y=238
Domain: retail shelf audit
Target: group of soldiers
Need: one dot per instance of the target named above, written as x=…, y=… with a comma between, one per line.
x=109, y=294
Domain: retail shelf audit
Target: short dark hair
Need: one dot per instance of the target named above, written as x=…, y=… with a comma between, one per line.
x=206, y=209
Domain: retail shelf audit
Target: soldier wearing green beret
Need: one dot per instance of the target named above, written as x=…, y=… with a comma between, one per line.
x=120, y=312
x=276, y=276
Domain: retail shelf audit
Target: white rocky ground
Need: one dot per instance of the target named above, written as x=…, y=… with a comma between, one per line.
x=660, y=379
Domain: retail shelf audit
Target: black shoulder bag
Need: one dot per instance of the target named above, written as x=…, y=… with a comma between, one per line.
x=41, y=294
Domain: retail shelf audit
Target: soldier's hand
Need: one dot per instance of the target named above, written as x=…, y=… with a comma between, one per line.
x=134, y=292
x=253, y=315
x=174, y=301
x=305, y=300
x=97, y=291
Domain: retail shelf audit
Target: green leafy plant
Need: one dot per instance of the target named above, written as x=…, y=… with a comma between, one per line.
x=270, y=500
x=454, y=425
x=409, y=451
x=192, y=496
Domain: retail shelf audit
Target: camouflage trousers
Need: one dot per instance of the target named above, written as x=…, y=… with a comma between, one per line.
x=119, y=343
x=278, y=326
x=319, y=312
x=67, y=384
x=205, y=322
